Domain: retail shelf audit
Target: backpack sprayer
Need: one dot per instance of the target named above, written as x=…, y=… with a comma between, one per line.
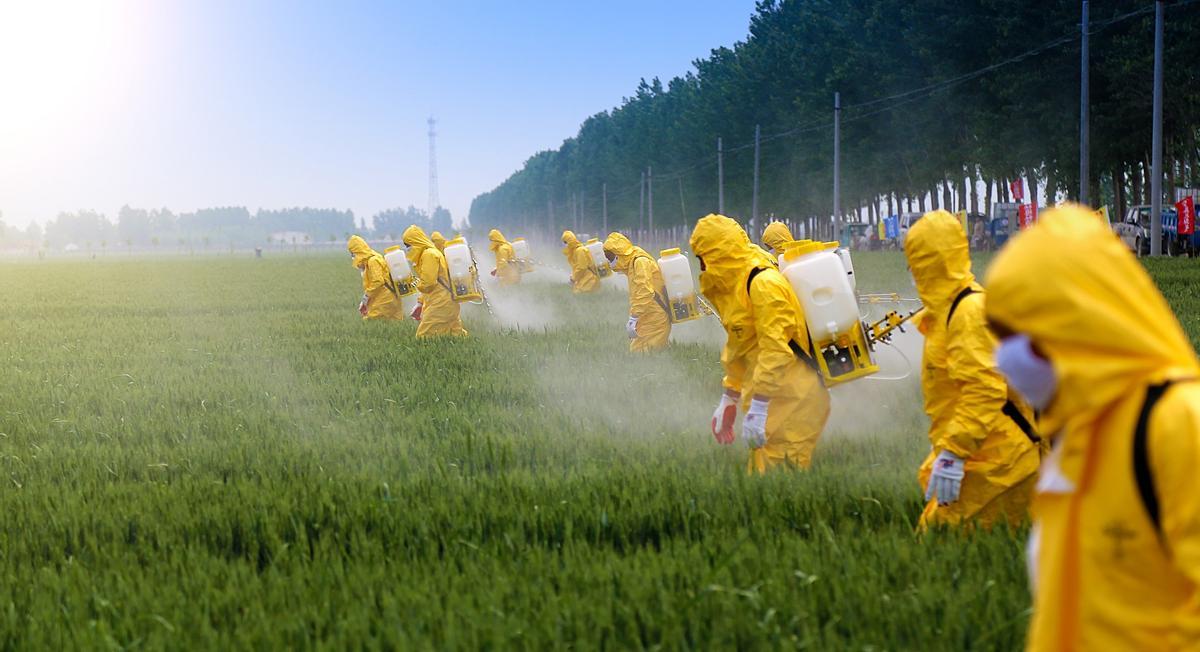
x=464, y=274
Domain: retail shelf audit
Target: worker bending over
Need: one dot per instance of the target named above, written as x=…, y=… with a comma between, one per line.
x=439, y=312
x=1089, y=340
x=583, y=270
x=380, y=299
x=648, y=327
x=768, y=358
x=507, y=269
x=985, y=452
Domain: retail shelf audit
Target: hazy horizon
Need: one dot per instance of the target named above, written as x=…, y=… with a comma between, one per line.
x=191, y=104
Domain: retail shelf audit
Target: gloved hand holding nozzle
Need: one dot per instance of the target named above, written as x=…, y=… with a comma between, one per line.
x=724, y=416
x=631, y=327
x=946, y=479
x=754, y=425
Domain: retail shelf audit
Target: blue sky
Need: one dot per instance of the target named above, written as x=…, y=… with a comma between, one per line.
x=281, y=103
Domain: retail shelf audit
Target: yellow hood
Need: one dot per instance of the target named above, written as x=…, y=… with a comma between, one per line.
x=940, y=260
x=775, y=235
x=418, y=242
x=1085, y=301
x=572, y=243
x=496, y=238
x=624, y=250
x=438, y=240
x=727, y=253
x=361, y=250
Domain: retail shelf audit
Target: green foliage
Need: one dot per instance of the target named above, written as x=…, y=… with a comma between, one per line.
x=1020, y=119
x=218, y=454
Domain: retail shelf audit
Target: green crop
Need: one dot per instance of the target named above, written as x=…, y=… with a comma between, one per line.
x=218, y=453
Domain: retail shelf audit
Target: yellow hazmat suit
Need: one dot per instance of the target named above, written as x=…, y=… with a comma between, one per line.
x=969, y=403
x=583, y=269
x=1106, y=577
x=763, y=322
x=380, y=291
x=439, y=312
x=438, y=240
x=507, y=269
x=647, y=293
x=775, y=236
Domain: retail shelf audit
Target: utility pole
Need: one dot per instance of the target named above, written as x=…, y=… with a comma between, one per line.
x=720, y=178
x=1085, y=172
x=682, y=207
x=1156, y=146
x=642, y=203
x=604, y=209
x=434, y=201
x=837, y=158
x=650, y=196
x=754, y=197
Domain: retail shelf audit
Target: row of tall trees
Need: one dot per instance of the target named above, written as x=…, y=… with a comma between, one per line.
x=234, y=225
x=935, y=94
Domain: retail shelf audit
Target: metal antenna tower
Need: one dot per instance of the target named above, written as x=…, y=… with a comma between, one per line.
x=434, y=202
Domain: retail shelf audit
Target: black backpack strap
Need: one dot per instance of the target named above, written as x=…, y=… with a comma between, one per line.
x=800, y=352
x=957, y=300
x=1010, y=410
x=1141, y=456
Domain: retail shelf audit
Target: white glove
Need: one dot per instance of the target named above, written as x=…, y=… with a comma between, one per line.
x=631, y=327
x=946, y=478
x=723, y=418
x=754, y=425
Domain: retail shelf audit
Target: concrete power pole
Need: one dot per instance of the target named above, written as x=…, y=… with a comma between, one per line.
x=837, y=159
x=720, y=178
x=1156, y=146
x=1085, y=172
x=434, y=200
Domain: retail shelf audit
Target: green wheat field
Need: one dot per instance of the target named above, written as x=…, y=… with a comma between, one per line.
x=217, y=453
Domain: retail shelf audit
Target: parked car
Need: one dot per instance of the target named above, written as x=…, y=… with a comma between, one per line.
x=1134, y=231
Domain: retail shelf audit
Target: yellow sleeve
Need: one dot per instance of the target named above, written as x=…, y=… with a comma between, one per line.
x=1173, y=449
x=970, y=362
x=774, y=323
x=428, y=270
x=734, y=362
x=581, y=265
x=375, y=276
x=504, y=256
x=641, y=287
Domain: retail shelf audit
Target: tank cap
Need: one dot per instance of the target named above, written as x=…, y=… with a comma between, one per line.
x=591, y=240
x=829, y=246
x=456, y=240
x=392, y=248
x=674, y=251
x=518, y=239
x=798, y=248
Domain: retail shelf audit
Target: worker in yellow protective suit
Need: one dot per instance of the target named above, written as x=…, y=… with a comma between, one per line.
x=1089, y=340
x=775, y=236
x=649, y=328
x=507, y=268
x=380, y=300
x=985, y=451
x=583, y=270
x=438, y=240
x=768, y=357
x=439, y=312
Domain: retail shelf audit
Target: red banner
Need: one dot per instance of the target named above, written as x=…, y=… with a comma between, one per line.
x=1018, y=190
x=1025, y=216
x=1186, y=209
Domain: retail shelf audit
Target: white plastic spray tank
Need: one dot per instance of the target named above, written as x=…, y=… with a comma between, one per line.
x=680, y=286
x=596, y=249
x=463, y=285
x=401, y=271
x=523, y=254
x=847, y=264
x=819, y=279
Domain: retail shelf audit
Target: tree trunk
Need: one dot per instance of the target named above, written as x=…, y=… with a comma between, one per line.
x=1136, y=197
x=1051, y=187
x=987, y=198
x=1118, y=175
x=1005, y=190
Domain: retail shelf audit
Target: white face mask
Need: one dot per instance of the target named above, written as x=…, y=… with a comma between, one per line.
x=1027, y=372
